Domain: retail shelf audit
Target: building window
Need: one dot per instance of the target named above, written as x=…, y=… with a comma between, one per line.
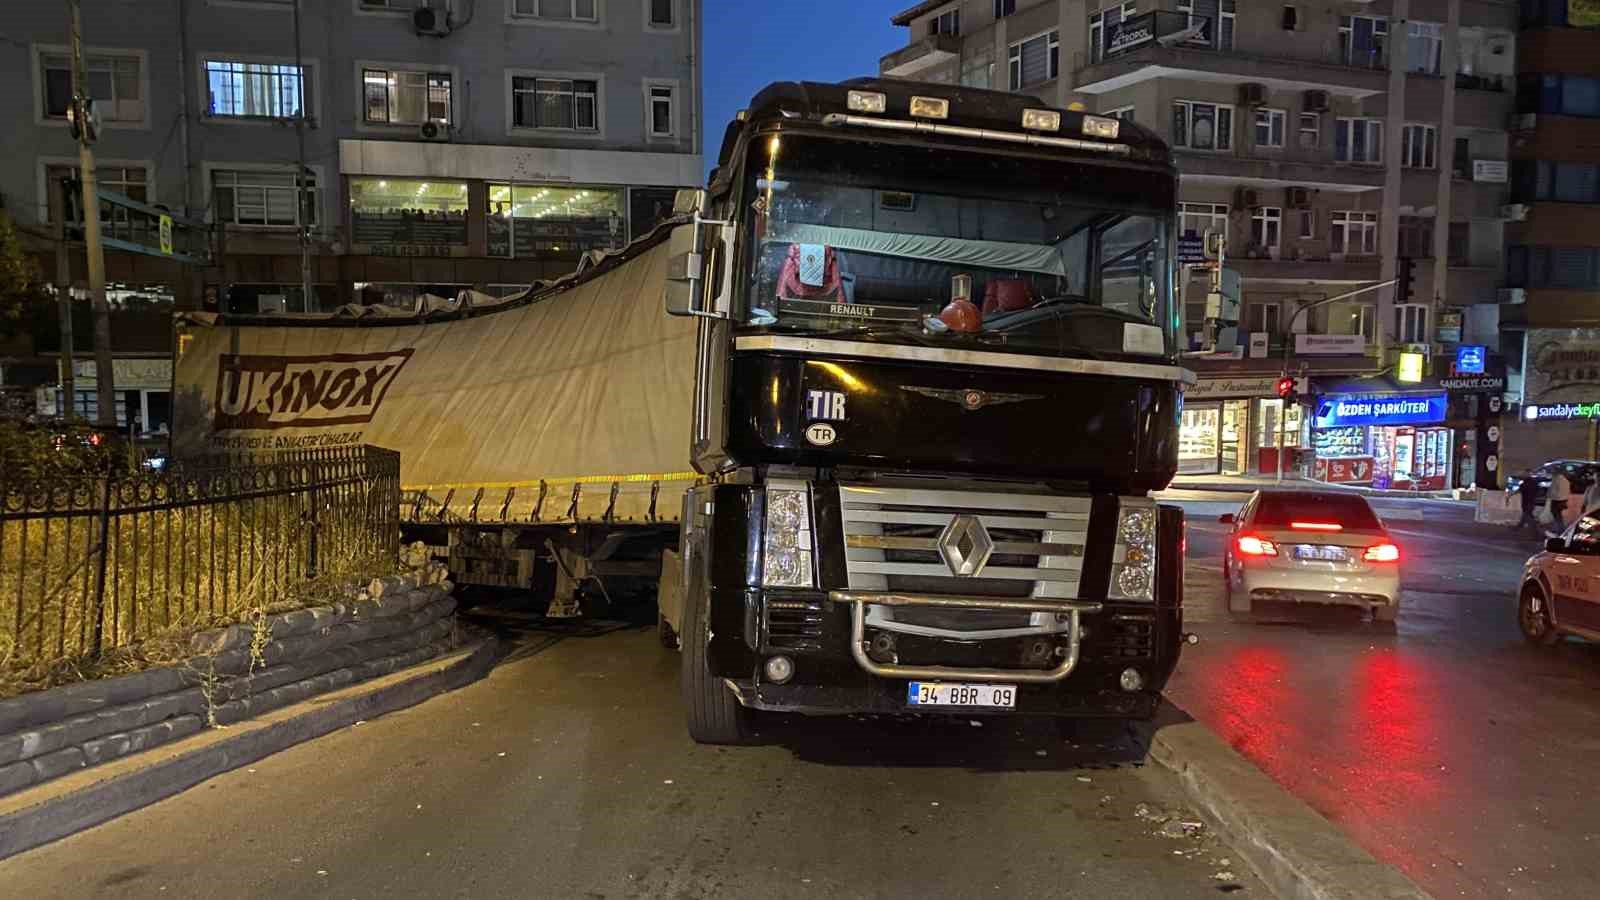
x=1561, y=181
x=661, y=14
x=1553, y=267
x=1125, y=113
x=1266, y=227
x=1035, y=60
x=1567, y=95
x=263, y=198
x=1411, y=323
x=1308, y=224
x=1101, y=24
x=115, y=81
x=1219, y=30
x=1350, y=317
x=1358, y=140
x=254, y=90
x=396, y=97
x=1270, y=125
x=1202, y=126
x=1265, y=317
x=1195, y=219
x=1422, y=47
x=555, y=103
x=1559, y=14
x=1310, y=131
x=65, y=194
x=407, y=211
x=1419, y=146
x=557, y=10
x=1354, y=233
x=1362, y=40
x=1003, y=8
x=947, y=22
x=527, y=221
x=661, y=118
x=1416, y=237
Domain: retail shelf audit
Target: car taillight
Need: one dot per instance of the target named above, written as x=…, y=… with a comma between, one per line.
x=1384, y=552
x=1250, y=545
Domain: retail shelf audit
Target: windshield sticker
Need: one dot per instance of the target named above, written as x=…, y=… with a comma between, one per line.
x=827, y=405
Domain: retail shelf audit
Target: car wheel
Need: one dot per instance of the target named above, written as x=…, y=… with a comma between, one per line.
x=1533, y=616
x=1238, y=604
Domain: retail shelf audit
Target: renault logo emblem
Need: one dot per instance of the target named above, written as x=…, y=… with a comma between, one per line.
x=965, y=546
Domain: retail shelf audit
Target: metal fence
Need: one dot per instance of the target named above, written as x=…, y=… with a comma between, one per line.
x=91, y=563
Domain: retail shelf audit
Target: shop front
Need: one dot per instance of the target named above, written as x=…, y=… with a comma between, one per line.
x=1225, y=423
x=1374, y=431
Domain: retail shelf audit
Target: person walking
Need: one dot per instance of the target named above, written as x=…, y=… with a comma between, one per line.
x=1560, y=498
x=1528, y=493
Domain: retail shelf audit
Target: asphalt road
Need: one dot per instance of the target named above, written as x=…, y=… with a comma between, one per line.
x=1447, y=746
x=567, y=773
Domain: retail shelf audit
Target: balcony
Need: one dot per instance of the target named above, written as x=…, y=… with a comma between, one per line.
x=933, y=50
x=1277, y=169
x=1173, y=45
x=1305, y=270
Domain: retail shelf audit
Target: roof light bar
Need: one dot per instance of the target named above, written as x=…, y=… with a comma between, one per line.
x=1041, y=120
x=930, y=107
x=867, y=101
x=982, y=134
x=1102, y=127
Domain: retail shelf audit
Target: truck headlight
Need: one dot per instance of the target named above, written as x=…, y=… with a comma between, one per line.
x=1133, y=577
x=786, y=539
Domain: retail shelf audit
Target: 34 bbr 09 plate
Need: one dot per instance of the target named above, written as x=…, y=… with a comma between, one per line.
x=939, y=693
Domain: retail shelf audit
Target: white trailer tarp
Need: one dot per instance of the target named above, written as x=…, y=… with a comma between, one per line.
x=587, y=390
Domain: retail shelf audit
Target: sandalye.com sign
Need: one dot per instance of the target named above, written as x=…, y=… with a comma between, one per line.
x=1422, y=409
x=1560, y=412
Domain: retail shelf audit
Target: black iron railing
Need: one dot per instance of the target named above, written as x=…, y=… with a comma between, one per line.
x=94, y=562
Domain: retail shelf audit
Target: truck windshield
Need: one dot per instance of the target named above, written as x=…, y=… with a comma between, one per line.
x=873, y=240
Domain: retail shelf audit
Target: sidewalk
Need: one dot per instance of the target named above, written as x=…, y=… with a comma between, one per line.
x=1248, y=483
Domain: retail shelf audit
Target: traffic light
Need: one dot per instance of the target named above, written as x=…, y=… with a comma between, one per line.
x=1286, y=390
x=1402, y=283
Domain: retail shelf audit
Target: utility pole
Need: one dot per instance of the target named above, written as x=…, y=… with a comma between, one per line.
x=300, y=168
x=86, y=126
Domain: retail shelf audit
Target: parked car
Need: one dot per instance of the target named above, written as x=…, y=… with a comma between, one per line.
x=1541, y=475
x=1561, y=586
x=1311, y=547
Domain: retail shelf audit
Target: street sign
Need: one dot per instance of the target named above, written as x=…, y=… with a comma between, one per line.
x=1470, y=359
x=1410, y=369
x=166, y=235
x=1191, y=251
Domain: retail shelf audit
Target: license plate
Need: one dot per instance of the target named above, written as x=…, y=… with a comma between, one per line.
x=1319, y=552
x=935, y=693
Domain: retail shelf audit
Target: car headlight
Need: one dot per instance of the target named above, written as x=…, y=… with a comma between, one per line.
x=786, y=539
x=1133, y=576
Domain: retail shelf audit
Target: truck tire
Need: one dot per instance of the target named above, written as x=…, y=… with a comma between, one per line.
x=714, y=715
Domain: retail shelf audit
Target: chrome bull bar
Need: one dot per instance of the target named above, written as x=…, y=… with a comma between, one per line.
x=858, y=634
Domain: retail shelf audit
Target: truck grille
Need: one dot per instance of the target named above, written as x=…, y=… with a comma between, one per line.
x=1124, y=637
x=793, y=624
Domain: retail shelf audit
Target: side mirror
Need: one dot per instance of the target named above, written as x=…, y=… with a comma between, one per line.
x=1227, y=519
x=685, y=268
x=689, y=200
x=1555, y=545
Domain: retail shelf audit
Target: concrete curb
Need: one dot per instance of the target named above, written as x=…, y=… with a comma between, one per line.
x=1297, y=852
x=82, y=800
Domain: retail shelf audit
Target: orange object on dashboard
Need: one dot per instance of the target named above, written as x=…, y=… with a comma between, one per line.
x=1007, y=295
x=962, y=315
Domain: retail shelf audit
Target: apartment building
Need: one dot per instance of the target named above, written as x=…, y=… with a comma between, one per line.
x=1329, y=141
x=482, y=143
x=1552, y=316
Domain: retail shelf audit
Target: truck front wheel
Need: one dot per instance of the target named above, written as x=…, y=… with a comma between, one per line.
x=714, y=714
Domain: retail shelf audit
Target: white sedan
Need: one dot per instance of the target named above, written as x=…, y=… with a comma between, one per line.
x=1314, y=547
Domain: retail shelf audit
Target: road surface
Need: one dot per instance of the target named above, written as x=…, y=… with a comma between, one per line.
x=1448, y=746
x=567, y=773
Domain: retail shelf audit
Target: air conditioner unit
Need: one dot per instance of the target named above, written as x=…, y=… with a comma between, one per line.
x=1514, y=212
x=1246, y=198
x=1252, y=94
x=430, y=20
x=434, y=131
x=1512, y=295
x=1299, y=198
x=1316, y=101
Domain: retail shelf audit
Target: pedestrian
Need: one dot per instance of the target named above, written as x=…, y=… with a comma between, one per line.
x=1560, y=496
x=1528, y=493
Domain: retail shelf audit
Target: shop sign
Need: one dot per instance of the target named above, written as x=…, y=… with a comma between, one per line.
x=1560, y=412
x=1135, y=32
x=1191, y=251
x=1490, y=171
x=1345, y=470
x=1410, y=368
x=1330, y=344
x=1560, y=360
x=411, y=250
x=1258, y=344
x=1210, y=388
x=1334, y=412
x=1470, y=383
x=1470, y=359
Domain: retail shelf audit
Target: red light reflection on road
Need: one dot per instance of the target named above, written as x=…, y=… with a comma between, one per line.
x=1253, y=702
x=1393, y=733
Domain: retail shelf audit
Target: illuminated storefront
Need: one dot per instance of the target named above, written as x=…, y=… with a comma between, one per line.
x=1371, y=431
x=1216, y=435
x=530, y=220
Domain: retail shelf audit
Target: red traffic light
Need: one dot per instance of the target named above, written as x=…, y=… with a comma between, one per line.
x=1285, y=387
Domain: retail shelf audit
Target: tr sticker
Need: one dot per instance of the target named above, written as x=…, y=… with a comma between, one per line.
x=821, y=433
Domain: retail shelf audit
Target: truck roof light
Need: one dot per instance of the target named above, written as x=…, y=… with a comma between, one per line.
x=867, y=101
x=930, y=107
x=1102, y=127
x=1041, y=120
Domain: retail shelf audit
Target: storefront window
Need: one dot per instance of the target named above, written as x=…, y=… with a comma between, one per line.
x=408, y=211
x=1274, y=428
x=530, y=220
x=1198, y=439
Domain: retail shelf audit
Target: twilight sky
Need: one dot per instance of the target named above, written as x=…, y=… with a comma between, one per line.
x=751, y=43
